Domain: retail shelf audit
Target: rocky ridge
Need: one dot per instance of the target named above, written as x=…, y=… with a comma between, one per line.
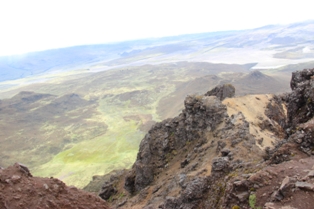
x=247, y=152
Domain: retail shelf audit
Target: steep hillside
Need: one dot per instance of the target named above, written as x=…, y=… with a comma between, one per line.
x=246, y=152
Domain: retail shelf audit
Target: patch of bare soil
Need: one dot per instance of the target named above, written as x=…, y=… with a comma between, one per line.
x=253, y=108
x=287, y=185
x=301, y=192
x=19, y=189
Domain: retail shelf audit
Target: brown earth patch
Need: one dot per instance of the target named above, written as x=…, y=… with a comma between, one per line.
x=19, y=189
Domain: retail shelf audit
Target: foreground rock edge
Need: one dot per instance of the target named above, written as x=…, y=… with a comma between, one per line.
x=19, y=189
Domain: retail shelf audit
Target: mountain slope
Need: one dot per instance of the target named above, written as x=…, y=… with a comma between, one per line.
x=247, y=152
x=256, y=82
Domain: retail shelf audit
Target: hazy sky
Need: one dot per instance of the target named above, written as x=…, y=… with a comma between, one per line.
x=31, y=25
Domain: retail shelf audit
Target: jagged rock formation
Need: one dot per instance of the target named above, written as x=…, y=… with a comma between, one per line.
x=301, y=110
x=19, y=189
x=182, y=160
x=301, y=100
x=222, y=91
x=166, y=138
x=229, y=154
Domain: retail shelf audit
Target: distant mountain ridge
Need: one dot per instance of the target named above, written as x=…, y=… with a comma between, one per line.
x=270, y=45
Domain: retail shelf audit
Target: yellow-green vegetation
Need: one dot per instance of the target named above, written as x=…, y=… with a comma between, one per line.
x=116, y=197
x=114, y=150
x=252, y=201
x=216, y=194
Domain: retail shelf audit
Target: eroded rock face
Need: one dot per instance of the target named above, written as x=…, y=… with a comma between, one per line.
x=304, y=136
x=190, y=196
x=201, y=114
x=222, y=91
x=275, y=111
x=301, y=100
x=301, y=110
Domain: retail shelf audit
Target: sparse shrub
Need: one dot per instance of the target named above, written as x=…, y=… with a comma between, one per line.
x=233, y=174
x=252, y=201
x=121, y=195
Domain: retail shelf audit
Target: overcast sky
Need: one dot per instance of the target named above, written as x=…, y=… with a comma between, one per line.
x=32, y=25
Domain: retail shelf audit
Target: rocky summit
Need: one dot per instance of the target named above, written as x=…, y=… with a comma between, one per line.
x=254, y=151
x=222, y=91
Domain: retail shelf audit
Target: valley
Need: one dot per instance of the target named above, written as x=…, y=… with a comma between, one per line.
x=88, y=126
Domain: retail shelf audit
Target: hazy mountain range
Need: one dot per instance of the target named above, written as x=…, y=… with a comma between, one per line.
x=269, y=46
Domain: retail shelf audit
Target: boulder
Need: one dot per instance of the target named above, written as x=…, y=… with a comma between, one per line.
x=220, y=164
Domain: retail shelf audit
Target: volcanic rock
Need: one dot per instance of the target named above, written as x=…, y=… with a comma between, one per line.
x=222, y=91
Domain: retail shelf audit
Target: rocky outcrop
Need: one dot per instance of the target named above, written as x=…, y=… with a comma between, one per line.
x=276, y=111
x=301, y=100
x=301, y=110
x=19, y=189
x=227, y=154
x=201, y=114
x=222, y=91
x=184, y=160
x=109, y=188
